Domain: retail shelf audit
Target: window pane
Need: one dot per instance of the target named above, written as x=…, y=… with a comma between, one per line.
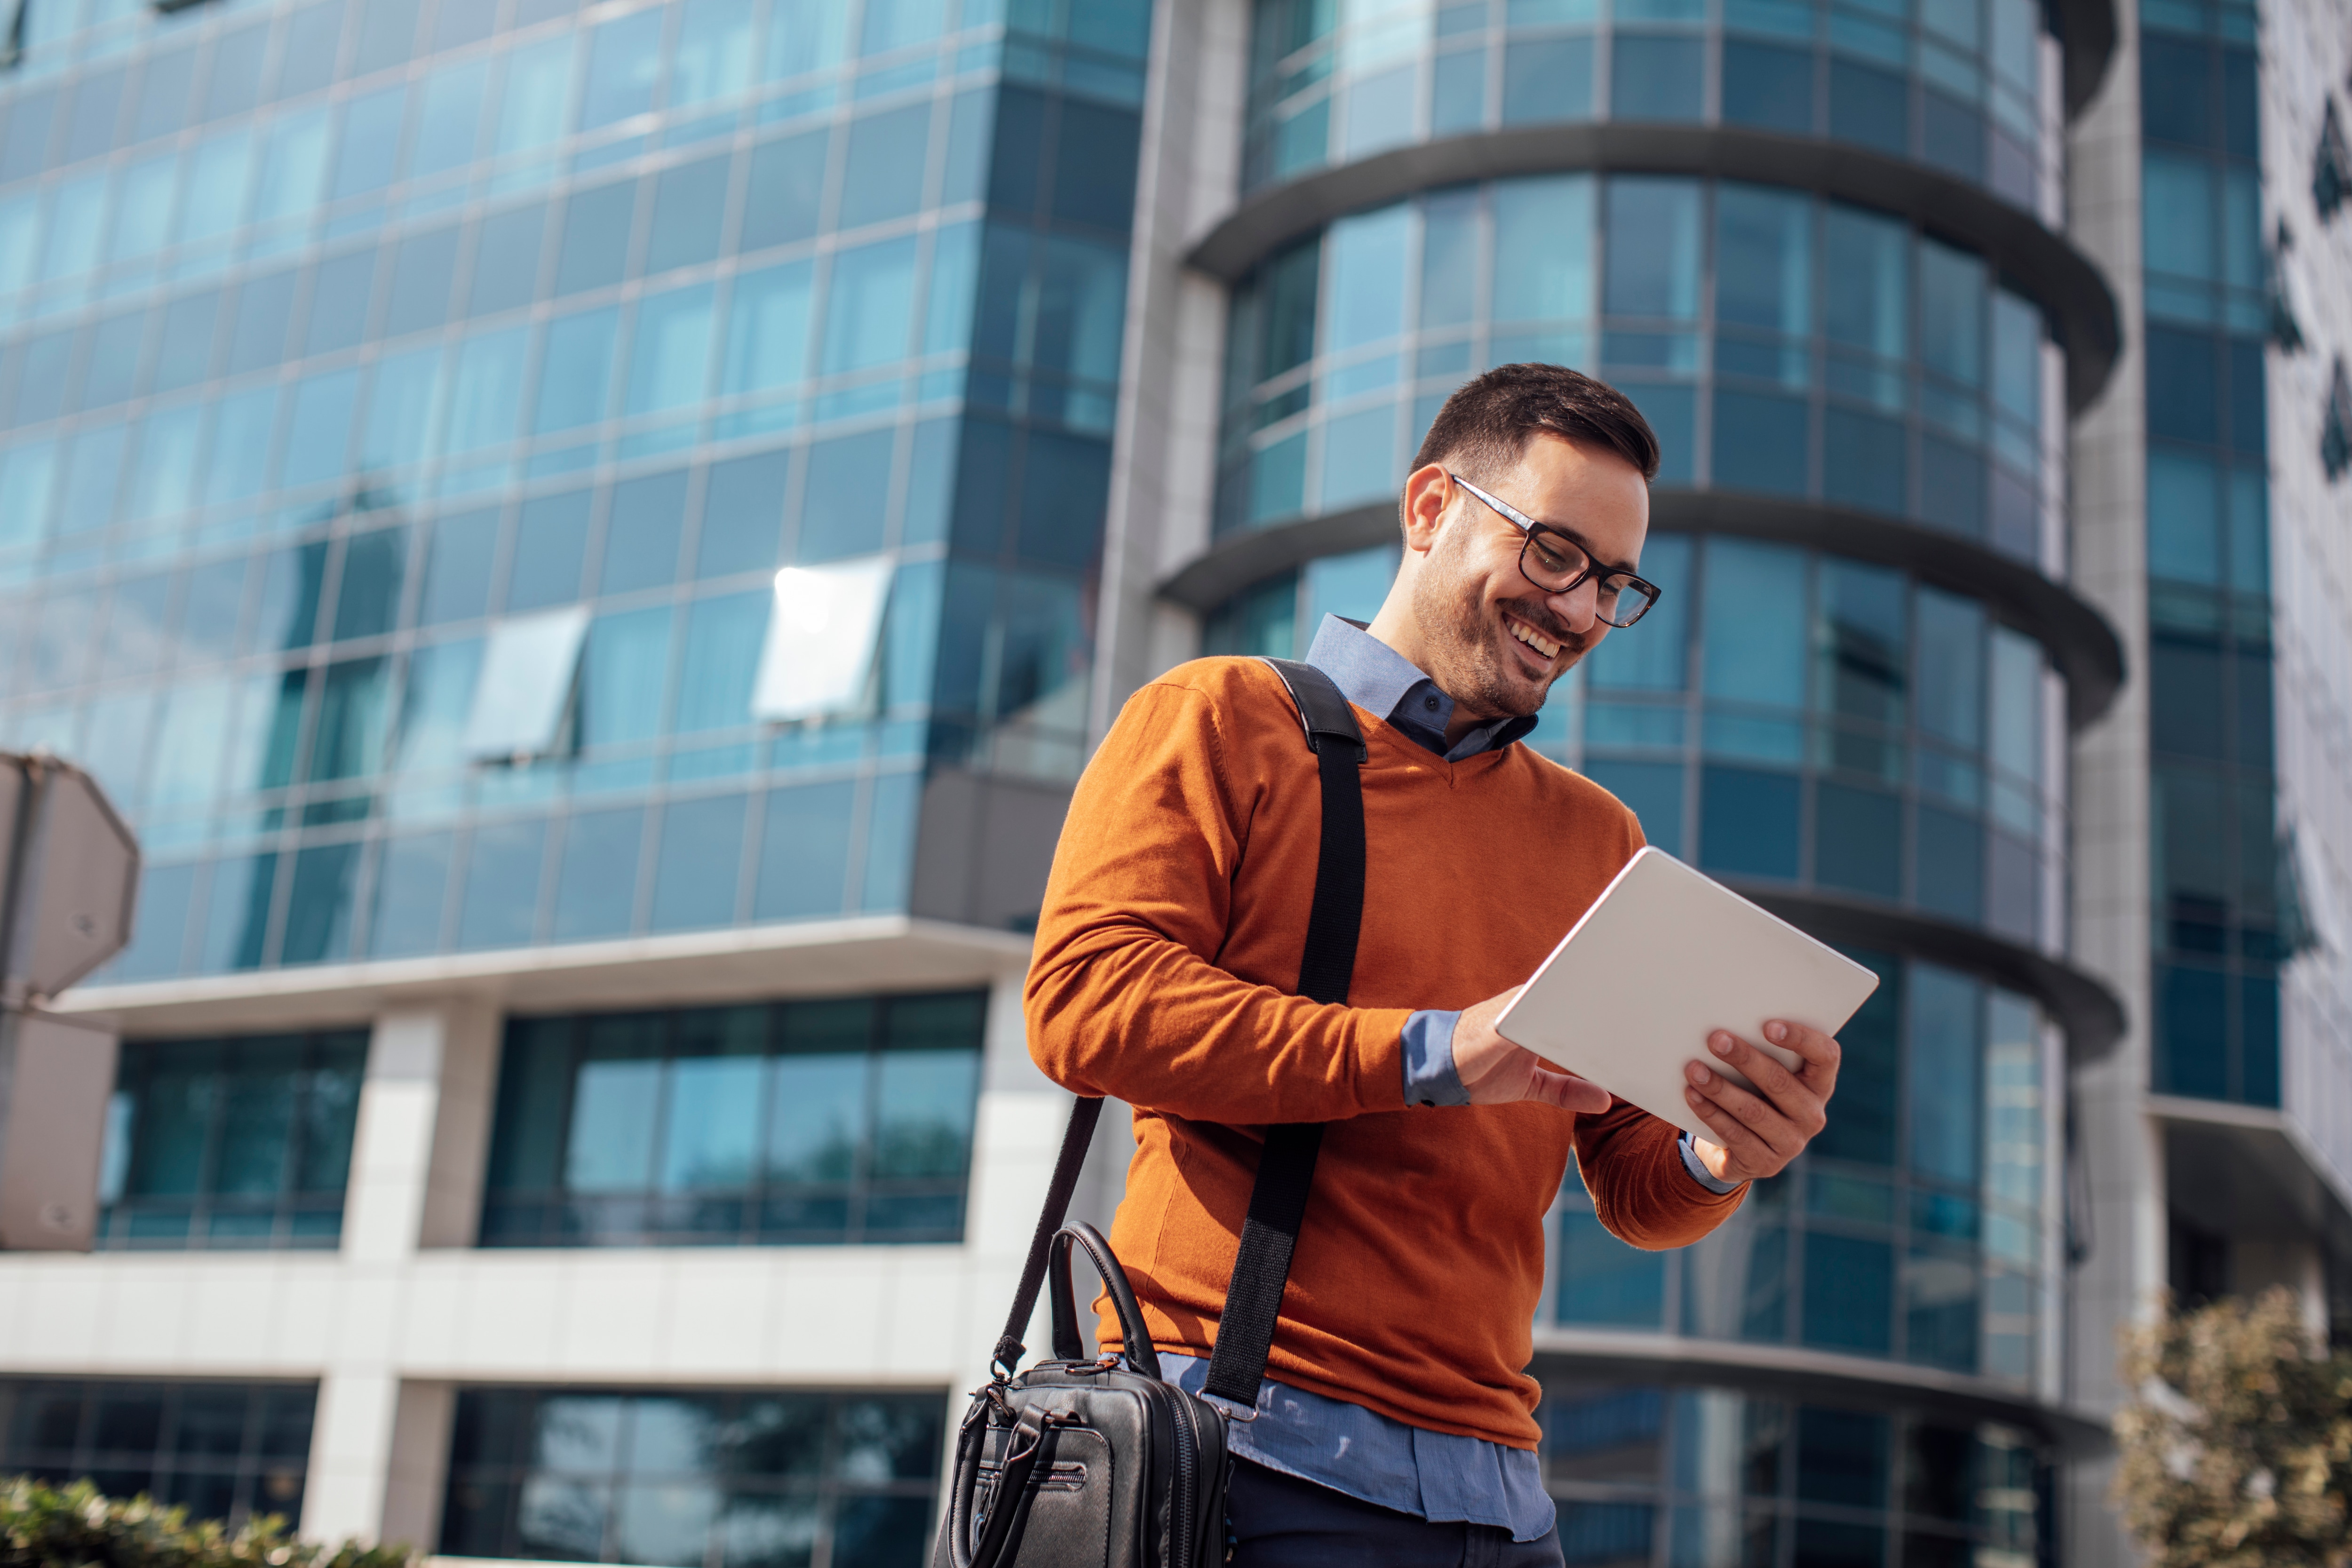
x=872, y=306
x=1771, y=234
x=722, y=653
x=1543, y=248
x=804, y=852
x=711, y=1135
x=1754, y=623
x=526, y=681
x=1951, y=666
x=1654, y=248
x=623, y=673
x=701, y=847
x=597, y=883
x=1367, y=288
x=501, y=895
x=1605, y=1282
x=816, y=1117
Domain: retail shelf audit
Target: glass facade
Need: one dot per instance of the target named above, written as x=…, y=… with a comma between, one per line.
x=1787, y=716
x=828, y=1122
x=1965, y=87
x=1780, y=344
x=422, y=399
x=766, y=1478
x=1913, y=1230
x=2217, y=863
x=1712, y=1478
x=231, y=1143
x=222, y=1450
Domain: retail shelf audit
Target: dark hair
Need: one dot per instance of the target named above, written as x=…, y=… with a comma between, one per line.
x=1485, y=426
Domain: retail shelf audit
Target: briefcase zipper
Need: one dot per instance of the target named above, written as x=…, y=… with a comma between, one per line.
x=1188, y=1467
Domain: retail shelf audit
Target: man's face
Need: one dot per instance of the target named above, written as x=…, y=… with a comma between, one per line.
x=1494, y=641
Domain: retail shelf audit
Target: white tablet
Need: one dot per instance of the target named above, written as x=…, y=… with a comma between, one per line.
x=1664, y=958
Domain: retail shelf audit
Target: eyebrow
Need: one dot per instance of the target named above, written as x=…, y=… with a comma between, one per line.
x=1569, y=534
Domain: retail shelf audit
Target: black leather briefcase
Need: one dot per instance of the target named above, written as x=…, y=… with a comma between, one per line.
x=1080, y=1463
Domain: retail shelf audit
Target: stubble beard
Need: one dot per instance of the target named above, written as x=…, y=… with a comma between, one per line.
x=1461, y=636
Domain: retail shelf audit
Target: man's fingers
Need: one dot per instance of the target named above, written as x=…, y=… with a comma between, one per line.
x=1747, y=1154
x=1566, y=1091
x=1768, y=1122
x=1758, y=1068
x=1820, y=1052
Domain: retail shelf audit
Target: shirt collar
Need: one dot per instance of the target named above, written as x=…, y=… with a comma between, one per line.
x=1378, y=680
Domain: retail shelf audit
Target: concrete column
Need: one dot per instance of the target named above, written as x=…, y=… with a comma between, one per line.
x=351, y=1441
x=379, y=1446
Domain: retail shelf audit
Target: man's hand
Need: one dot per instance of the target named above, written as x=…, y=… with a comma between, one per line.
x=1493, y=1070
x=1758, y=1134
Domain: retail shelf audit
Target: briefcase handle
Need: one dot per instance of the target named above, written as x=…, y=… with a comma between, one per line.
x=1068, y=1343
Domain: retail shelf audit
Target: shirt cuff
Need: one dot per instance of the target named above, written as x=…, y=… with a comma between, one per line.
x=1691, y=1162
x=1428, y=1074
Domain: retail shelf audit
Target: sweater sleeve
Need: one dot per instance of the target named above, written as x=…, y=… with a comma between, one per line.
x=1123, y=997
x=1632, y=1165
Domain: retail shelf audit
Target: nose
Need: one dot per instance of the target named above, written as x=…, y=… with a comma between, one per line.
x=1580, y=606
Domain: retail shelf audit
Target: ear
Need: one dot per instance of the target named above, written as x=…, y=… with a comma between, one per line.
x=1426, y=491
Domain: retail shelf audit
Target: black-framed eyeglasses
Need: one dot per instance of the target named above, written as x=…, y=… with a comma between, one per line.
x=1557, y=561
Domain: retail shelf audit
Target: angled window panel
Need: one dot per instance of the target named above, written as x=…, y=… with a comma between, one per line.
x=822, y=633
x=529, y=666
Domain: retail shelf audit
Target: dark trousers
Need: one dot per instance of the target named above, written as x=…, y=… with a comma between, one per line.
x=1281, y=1521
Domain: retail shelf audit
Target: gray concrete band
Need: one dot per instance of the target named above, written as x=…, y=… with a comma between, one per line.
x=2044, y=264
x=2077, y=637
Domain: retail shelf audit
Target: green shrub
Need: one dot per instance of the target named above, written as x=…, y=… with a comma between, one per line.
x=48, y=1527
x=2237, y=1452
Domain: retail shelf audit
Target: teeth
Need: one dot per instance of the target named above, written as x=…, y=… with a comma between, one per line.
x=1533, y=639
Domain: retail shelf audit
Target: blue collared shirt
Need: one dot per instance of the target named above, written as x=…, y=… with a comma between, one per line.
x=1438, y=1476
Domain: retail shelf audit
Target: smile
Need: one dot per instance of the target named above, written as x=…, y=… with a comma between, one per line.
x=1532, y=637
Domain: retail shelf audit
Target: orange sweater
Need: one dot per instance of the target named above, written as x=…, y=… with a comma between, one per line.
x=1169, y=943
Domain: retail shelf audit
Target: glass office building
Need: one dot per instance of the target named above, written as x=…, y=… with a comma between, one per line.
x=592, y=541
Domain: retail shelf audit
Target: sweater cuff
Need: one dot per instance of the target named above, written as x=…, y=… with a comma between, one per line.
x=1699, y=1173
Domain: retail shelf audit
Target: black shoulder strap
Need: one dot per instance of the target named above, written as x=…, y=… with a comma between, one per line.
x=1287, y=1168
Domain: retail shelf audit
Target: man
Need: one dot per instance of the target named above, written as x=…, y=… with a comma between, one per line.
x=1397, y=1422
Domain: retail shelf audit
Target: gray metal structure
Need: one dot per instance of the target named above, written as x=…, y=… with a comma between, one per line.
x=69, y=885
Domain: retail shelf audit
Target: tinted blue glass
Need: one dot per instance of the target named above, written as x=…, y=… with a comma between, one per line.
x=1863, y=461
x=787, y=187
x=1859, y=847
x=1543, y=249
x=596, y=880
x=450, y=117
x=1367, y=284
x=1849, y=1295
x=701, y=846
x=1760, y=443
x=871, y=307
x=1869, y=1074
x=423, y=268
x=318, y=907
x=1952, y=865
x=1653, y=255
x=884, y=175
x=369, y=146
x=767, y=328
x=551, y=543
x=1753, y=623
x=1749, y=822
x=348, y=741
x=1870, y=107
x=1952, y=290
x=842, y=503
x=1842, y=1457
x=642, y=532
x=1547, y=78
x=505, y=259
x=1655, y=78
x=184, y=350
x=623, y=64
x=1768, y=86
x=500, y=899
x=804, y=852
x=595, y=244
x=1672, y=416
x=623, y=675
x=742, y=515
x=457, y=567
x=689, y=208
x=575, y=383
x=1950, y=667
x=669, y=360
x=721, y=660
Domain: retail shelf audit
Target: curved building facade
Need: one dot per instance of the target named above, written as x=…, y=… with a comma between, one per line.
x=1819, y=247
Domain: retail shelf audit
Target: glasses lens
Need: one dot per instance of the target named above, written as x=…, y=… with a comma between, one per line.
x=1553, y=562
x=1624, y=600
